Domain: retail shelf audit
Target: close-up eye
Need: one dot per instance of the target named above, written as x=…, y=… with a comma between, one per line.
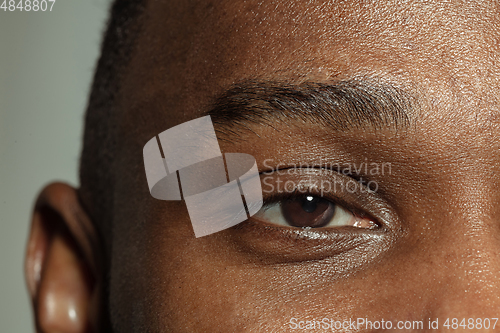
x=309, y=211
x=314, y=214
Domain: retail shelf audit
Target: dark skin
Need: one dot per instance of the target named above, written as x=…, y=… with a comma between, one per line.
x=435, y=253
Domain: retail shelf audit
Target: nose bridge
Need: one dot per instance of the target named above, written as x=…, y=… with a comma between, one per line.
x=470, y=236
x=468, y=184
x=470, y=280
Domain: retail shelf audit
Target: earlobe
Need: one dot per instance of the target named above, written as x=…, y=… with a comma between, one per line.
x=62, y=268
x=63, y=296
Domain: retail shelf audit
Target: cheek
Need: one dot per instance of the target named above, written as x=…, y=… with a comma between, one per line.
x=164, y=279
x=201, y=285
x=195, y=295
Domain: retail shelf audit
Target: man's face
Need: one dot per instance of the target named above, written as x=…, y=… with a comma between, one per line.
x=433, y=252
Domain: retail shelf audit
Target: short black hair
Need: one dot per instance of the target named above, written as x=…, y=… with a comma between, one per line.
x=100, y=129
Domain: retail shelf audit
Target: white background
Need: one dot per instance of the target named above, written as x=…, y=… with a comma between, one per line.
x=46, y=66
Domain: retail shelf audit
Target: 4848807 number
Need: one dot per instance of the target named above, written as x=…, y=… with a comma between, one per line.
x=470, y=323
x=28, y=5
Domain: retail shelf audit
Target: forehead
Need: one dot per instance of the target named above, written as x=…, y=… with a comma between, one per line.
x=191, y=51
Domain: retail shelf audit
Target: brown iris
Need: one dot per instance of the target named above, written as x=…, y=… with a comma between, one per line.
x=308, y=211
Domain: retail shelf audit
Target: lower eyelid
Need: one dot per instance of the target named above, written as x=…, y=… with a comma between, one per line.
x=265, y=243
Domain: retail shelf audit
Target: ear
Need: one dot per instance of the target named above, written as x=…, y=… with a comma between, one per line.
x=63, y=268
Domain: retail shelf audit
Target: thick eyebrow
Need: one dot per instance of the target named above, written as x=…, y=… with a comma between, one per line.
x=339, y=106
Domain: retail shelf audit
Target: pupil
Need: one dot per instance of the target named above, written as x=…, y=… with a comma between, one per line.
x=310, y=204
x=308, y=211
